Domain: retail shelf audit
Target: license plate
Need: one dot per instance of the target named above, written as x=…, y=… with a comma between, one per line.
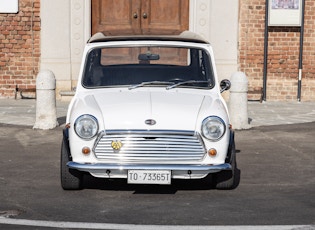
x=149, y=177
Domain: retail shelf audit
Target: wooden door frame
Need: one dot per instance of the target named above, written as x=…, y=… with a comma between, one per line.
x=107, y=17
x=193, y=5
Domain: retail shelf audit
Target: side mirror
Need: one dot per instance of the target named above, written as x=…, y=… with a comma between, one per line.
x=225, y=85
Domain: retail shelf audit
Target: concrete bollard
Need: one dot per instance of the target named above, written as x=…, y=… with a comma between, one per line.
x=238, y=101
x=46, y=112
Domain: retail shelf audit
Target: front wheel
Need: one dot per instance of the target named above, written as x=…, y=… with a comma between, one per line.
x=70, y=179
x=229, y=179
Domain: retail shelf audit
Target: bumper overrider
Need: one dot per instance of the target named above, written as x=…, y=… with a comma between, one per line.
x=182, y=171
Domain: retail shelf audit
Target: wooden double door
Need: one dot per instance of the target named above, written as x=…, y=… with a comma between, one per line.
x=125, y=17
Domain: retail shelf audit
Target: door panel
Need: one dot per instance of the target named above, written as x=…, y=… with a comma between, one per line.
x=123, y=17
x=115, y=17
x=164, y=16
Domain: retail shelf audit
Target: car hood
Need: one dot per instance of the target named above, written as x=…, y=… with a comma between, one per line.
x=149, y=110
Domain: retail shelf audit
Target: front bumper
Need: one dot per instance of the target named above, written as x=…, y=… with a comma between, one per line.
x=120, y=170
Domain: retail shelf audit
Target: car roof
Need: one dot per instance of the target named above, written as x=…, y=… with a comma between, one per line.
x=186, y=36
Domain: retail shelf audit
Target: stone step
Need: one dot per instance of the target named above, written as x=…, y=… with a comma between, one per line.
x=66, y=95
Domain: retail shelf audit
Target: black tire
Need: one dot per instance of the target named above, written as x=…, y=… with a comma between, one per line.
x=71, y=179
x=229, y=179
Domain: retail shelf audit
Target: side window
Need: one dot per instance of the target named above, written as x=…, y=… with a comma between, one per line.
x=92, y=67
x=202, y=63
x=205, y=65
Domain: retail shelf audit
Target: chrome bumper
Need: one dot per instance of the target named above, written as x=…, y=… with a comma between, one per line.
x=120, y=170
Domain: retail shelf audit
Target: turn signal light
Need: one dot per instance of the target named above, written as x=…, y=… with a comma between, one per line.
x=212, y=152
x=86, y=150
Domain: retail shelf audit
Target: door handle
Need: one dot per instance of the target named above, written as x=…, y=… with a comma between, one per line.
x=135, y=15
x=145, y=15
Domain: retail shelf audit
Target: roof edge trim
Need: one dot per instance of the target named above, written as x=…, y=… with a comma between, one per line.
x=185, y=36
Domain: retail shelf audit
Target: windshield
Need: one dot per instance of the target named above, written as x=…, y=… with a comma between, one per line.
x=148, y=66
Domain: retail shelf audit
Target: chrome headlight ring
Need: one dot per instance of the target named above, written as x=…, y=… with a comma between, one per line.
x=213, y=128
x=86, y=126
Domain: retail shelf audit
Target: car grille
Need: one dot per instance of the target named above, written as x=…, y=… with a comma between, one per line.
x=149, y=147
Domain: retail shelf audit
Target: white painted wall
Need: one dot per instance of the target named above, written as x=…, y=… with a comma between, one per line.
x=55, y=37
x=66, y=28
x=217, y=21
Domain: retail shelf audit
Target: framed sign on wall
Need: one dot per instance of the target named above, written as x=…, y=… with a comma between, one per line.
x=285, y=12
x=9, y=6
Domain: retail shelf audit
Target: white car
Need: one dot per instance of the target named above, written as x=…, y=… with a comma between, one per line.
x=148, y=109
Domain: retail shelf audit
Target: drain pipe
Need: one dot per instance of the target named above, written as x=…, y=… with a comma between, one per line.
x=301, y=53
x=265, y=51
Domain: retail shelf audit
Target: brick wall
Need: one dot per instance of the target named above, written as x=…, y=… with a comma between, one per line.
x=20, y=51
x=19, y=47
x=283, y=53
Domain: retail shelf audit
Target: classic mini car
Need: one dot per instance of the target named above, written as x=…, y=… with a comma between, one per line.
x=148, y=109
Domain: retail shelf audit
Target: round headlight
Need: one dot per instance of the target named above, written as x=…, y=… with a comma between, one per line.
x=86, y=126
x=213, y=128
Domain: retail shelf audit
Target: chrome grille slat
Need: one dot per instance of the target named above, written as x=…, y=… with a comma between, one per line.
x=145, y=156
x=153, y=146
x=149, y=146
x=139, y=154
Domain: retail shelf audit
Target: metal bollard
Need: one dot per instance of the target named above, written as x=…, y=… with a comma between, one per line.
x=238, y=101
x=46, y=112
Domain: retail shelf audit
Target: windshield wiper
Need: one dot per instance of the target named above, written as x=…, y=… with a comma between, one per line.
x=186, y=82
x=150, y=83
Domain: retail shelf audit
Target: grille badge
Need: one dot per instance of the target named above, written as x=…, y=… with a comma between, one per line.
x=116, y=145
x=150, y=122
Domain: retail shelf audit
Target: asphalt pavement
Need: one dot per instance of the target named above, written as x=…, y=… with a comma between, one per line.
x=23, y=112
x=276, y=191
